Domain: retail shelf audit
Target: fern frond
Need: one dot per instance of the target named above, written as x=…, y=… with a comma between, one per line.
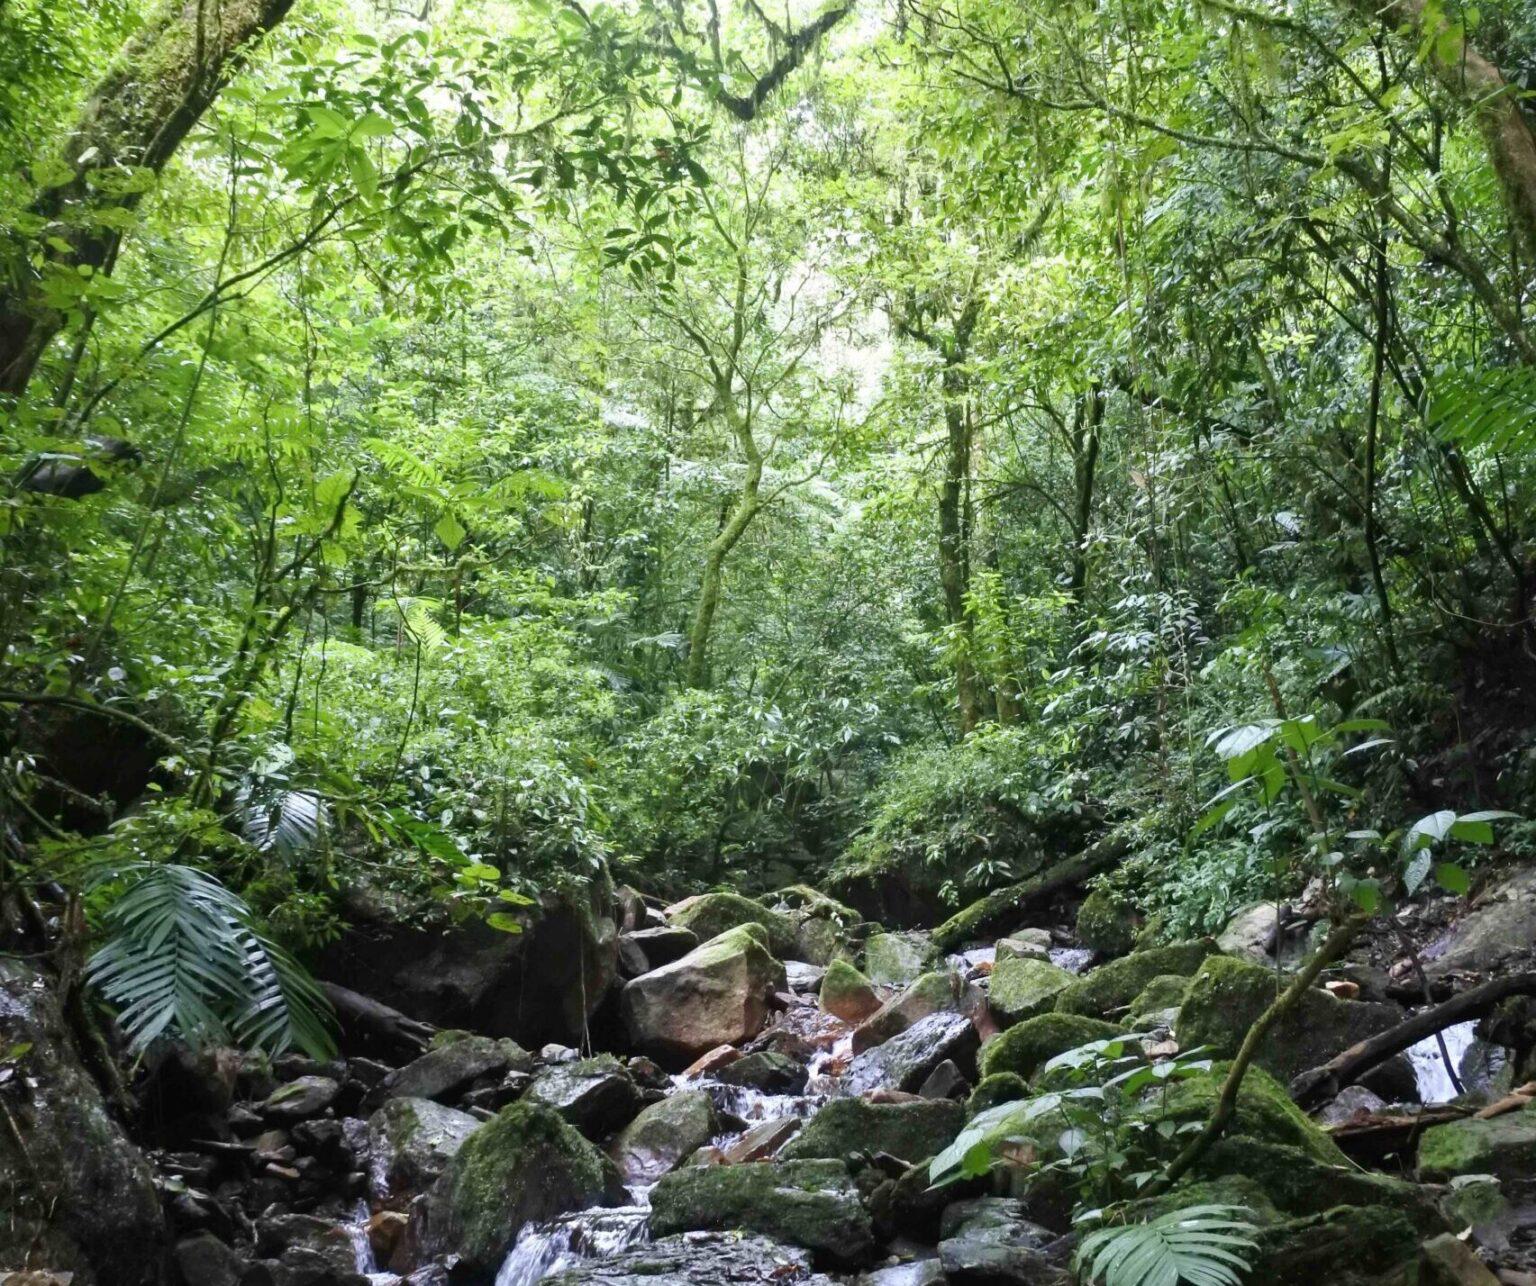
x=1199, y=1245
x=182, y=958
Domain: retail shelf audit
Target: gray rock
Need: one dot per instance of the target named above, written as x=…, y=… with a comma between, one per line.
x=920, y=1272
x=944, y=1082
x=647, y=949
x=1499, y=930
x=911, y=1131
x=1350, y=1100
x=596, y=1095
x=898, y=958
x=766, y=1071
x=803, y=978
x=448, y=1070
x=308, y=1247
x=762, y=1141
x=86, y=1203
x=698, y=1257
x=307, y=1096
x=904, y=1062
x=664, y=1135
x=203, y=1260
x=1026, y=944
x=929, y=994
x=410, y=1142
x=813, y=1204
x=990, y=1240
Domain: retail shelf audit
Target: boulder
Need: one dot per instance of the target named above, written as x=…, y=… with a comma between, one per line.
x=999, y=1087
x=813, y=1204
x=766, y=1071
x=1019, y=989
x=308, y=1250
x=905, y=1061
x=410, y=1142
x=803, y=979
x=743, y=1260
x=912, y=1131
x=1024, y=1049
x=201, y=1259
x=81, y=1199
x=1228, y=995
x=895, y=959
x=445, y=1071
x=709, y=915
x=539, y=985
x=1106, y=924
x=596, y=1095
x=647, y=949
x=920, y=1272
x=847, y=994
x=1500, y=929
x=1114, y=985
x=664, y=1135
x=1025, y=944
x=931, y=994
x=991, y=1240
x=1264, y=1111
x=1159, y=1000
x=762, y=1141
x=305, y=1097
x=715, y=995
x=524, y=1165
x=820, y=922
x=1504, y=1147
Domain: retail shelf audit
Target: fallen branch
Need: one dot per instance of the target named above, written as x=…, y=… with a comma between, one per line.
x=1319, y=1084
x=1007, y=903
x=376, y=1020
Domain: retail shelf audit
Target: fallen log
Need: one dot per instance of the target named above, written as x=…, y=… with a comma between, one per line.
x=1319, y=1084
x=1002, y=904
x=374, y=1020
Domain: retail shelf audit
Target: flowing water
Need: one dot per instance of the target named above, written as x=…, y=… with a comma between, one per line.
x=545, y=1248
x=1475, y=1061
x=362, y=1248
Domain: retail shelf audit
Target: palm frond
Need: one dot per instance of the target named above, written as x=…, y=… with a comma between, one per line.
x=287, y=824
x=1495, y=409
x=182, y=958
x=1199, y=1245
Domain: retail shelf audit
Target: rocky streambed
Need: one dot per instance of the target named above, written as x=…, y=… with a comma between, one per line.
x=778, y=1076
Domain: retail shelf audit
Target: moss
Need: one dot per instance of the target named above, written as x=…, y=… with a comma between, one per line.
x=929, y=994
x=1020, y=989
x=711, y=914
x=811, y=902
x=1504, y=1147
x=898, y=957
x=523, y=1165
x=847, y=993
x=999, y=1087
x=912, y=1131
x=1163, y=993
x=1264, y=1110
x=1114, y=985
x=1022, y=1050
x=449, y=1036
x=1106, y=924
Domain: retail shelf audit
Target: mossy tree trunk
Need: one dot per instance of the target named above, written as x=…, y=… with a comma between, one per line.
x=135, y=119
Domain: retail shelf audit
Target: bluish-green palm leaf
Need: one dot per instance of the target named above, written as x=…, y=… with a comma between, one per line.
x=1199, y=1245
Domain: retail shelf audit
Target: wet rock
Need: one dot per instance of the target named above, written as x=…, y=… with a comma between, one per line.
x=847, y=994
x=920, y=1272
x=813, y=1204
x=912, y=1131
x=895, y=959
x=307, y=1248
x=989, y=1239
x=410, y=1142
x=82, y=1199
x=698, y=1257
x=803, y=979
x=1497, y=932
x=526, y=1164
x=647, y=949
x=1025, y=944
x=595, y=1095
x=762, y=1141
x=386, y=1234
x=1351, y=1101
x=1106, y=924
x=664, y=1135
x=720, y=1056
x=944, y=1082
x=821, y=923
x=766, y=1071
x=1504, y=1147
x=931, y=994
x=905, y=1061
x=1114, y=985
x=204, y=1260
x=1228, y=995
x=715, y=995
x=709, y=915
x=444, y=1072
x=307, y=1096
x=1024, y=1049
x=1020, y=989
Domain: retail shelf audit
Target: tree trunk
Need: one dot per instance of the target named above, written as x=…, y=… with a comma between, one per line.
x=138, y=115
x=954, y=540
x=1085, y=464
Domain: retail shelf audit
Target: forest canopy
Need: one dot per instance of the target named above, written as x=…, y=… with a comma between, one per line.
x=471, y=448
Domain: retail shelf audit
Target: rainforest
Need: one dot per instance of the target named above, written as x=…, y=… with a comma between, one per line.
x=880, y=642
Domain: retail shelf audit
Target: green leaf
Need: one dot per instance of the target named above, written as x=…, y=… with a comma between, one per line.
x=504, y=921
x=481, y=871
x=450, y=531
x=1453, y=878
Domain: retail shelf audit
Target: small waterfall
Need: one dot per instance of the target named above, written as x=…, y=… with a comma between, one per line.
x=546, y=1248
x=1476, y=1063
x=362, y=1248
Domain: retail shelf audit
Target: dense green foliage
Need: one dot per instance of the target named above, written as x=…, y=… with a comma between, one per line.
x=880, y=444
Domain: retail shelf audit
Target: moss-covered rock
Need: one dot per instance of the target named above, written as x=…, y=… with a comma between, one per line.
x=410, y=1142
x=1229, y=994
x=1019, y=989
x=1165, y=992
x=524, y=1165
x=1000, y=1087
x=1114, y=985
x=1264, y=1110
x=820, y=922
x=1106, y=924
x=448, y=1067
x=711, y=914
x=1504, y=1147
x=895, y=959
x=1024, y=1049
x=664, y=1135
x=930, y=994
x=912, y=1131
x=848, y=994
x=810, y=1203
